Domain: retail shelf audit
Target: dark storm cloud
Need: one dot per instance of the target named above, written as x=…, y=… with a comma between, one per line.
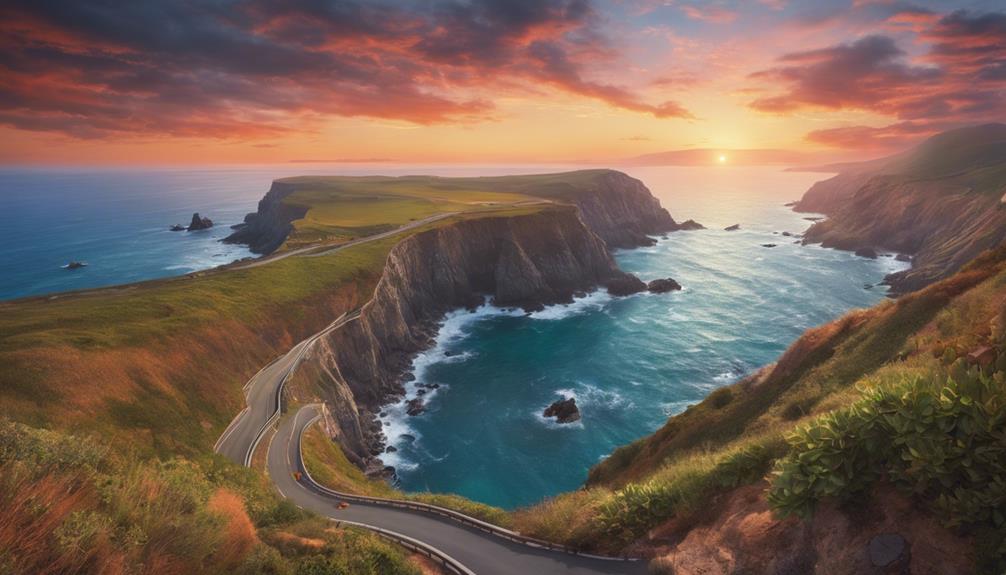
x=236, y=68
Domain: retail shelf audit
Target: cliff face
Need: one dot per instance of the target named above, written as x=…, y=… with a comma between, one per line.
x=944, y=223
x=938, y=201
x=621, y=210
x=527, y=261
x=265, y=230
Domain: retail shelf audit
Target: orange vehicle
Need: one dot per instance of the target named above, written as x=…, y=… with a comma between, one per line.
x=343, y=505
x=297, y=475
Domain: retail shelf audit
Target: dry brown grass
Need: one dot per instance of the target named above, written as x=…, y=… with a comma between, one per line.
x=239, y=535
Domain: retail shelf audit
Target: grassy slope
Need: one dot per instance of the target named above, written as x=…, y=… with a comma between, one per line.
x=71, y=505
x=733, y=437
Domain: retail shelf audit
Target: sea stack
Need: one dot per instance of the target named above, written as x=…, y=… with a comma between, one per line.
x=564, y=410
x=199, y=223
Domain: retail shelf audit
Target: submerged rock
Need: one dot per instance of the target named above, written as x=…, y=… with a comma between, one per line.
x=75, y=265
x=903, y=258
x=408, y=438
x=177, y=228
x=732, y=228
x=769, y=245
x=663, y=285
x=787, y=234
x=199, y=223
x=867, y=253
x=564, y=410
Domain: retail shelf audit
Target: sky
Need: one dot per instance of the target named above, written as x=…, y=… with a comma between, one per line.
x=495, y=81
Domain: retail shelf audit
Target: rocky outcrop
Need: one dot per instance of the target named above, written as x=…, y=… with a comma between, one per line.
x=522, y=261
x=563, y=410
x=663, y=285
x=266, y=229
x=732, y=228
x=199, y=223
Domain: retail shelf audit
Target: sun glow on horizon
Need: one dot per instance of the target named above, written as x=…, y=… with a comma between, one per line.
x=722, y=158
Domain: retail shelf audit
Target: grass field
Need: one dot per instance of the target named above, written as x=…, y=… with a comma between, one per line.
x=342, y=208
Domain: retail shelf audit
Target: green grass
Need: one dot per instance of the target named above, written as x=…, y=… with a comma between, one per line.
x=342, y=208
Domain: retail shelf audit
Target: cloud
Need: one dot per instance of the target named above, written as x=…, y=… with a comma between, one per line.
x=960, y=78
x=712, y=14
x=254, y=68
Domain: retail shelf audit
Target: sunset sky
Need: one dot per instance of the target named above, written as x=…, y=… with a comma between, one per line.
x=109, y=82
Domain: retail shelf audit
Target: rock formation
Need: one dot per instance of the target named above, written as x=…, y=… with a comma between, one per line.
x=199, y=223
x=732, y=228
x=663, y=285
x=563, y=410
x=266, y=229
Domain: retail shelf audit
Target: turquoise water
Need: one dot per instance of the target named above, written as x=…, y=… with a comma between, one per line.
x=630, y=362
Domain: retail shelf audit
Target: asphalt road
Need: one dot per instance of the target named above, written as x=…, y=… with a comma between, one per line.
x=262, y=396
x=482, y=553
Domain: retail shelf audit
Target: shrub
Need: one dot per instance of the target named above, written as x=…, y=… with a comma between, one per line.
x=941, y=442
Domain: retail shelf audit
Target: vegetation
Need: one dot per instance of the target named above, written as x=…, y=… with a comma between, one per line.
x=70, y=504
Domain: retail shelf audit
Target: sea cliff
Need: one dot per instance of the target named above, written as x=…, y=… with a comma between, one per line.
x=524, y=261
x=265, y=230
x=939, y=202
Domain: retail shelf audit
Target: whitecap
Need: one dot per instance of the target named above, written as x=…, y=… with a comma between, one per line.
x=593, y=301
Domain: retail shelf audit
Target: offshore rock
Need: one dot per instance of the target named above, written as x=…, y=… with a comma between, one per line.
x=199, y=223
x=663, y=285
x=564, y=410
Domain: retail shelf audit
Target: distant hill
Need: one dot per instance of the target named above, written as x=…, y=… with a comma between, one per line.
x=940, y=201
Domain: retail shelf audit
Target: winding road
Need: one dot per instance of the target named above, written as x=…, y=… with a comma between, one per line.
x=262, y=394
x=477, y=551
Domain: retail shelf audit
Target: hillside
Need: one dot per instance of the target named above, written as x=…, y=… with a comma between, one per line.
x=939, y=202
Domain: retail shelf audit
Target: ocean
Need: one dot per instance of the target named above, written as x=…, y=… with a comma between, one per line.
x=630, y=362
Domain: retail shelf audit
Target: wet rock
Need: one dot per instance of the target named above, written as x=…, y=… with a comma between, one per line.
x=814, y=219
x=199, y=223
x=432, y=386
x=769, y=245
x=903, y=258
x=787, y=234
x=790, y=204
x=391, y=449
x=627, y=284
x=867, y=253
x=407, y=437
x=177, y=228
x=564, y=410
x=886, y=548
x=663, y=285
x=732, y=228
x=415, y=406
x=421, y=391
x=689, y=225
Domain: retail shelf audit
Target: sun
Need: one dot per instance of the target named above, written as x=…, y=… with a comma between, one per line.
x=722, y=159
